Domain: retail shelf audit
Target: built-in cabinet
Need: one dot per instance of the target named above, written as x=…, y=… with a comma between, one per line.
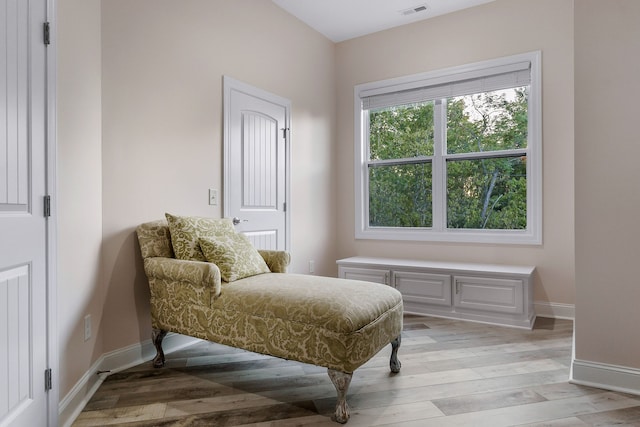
x=497, y=294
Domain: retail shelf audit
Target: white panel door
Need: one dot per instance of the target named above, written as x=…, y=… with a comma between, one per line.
x=23, y=272
x=256, y=162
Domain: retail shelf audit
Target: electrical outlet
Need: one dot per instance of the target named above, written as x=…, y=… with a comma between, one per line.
x=213, y=197
x=312, y=267
x=87, y=327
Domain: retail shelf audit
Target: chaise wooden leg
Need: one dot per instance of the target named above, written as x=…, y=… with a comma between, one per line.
x=341, y=381
x=394, y=363
x=157, y=335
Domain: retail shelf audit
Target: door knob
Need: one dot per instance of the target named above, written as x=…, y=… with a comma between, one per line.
x=237, y=220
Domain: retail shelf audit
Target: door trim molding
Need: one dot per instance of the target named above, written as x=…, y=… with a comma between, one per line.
x=230, y=84
x=52, y=220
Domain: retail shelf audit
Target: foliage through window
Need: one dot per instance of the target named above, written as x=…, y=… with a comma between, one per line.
x=452, y=155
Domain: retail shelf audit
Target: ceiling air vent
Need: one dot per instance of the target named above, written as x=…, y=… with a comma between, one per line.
x=415, y=9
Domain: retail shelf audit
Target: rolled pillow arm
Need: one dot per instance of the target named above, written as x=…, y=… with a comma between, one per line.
x=277, y=261
x=194, y=273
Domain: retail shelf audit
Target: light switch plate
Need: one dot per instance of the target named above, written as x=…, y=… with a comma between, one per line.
x=213, y=197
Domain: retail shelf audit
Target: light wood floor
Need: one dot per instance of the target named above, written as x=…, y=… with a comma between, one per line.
x=453, y=373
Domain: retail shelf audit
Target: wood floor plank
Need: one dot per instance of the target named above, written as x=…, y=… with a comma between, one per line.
x=440, y=391
x=382, y=415
x=117, y=416
x=235, y=417
x=565, y=422
x=536, y=412
x=219, y=403
x=619, y=417
x=484, y=401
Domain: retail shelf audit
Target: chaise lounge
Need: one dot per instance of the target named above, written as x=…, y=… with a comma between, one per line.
x=209, y=282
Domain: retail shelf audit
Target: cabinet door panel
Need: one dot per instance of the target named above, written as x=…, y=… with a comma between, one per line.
x=424, y=288
x=487, y=294
x=366, y=274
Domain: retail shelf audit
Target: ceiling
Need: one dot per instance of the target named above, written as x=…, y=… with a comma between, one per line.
x=341, y=20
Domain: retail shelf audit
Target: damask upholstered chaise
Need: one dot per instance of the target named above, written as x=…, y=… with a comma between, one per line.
x=209, y=282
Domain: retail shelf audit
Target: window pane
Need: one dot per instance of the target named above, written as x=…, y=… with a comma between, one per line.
x=487, y=193
x=400, y=196
x=401, y=132
x=488, y=121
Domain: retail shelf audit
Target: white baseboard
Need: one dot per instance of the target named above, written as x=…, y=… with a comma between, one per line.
x=110, y=363
x=555, y=310
x=608, y=377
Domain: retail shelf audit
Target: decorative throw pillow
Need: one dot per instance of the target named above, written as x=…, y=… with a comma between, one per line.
x=186, y=230
x=235, y=256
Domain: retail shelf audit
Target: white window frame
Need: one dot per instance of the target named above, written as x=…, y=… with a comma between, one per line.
x=532, y=235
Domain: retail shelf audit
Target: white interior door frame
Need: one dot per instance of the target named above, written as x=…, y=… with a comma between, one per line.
x=230, y=85
x=53, y=397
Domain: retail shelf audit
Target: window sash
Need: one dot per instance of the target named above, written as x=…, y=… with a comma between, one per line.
x=403, y=209
x=496, y=179
x=475, y=155
x=397, y=162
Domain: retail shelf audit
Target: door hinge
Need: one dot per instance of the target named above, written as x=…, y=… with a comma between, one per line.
x=285, y=131
x=284, y=207
x=47, y=380
x=46, y=33
x=47, y=206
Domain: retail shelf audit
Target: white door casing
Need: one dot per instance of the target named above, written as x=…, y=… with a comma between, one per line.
x=24, y=330
x=256, y=164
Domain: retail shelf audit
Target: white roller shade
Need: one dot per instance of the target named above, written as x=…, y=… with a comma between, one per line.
x=464, y=83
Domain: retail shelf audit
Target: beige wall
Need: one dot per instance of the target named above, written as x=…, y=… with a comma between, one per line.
x=607, y=149
x=79, y=187
x=163, y=62
x=500, y=28
x=139, y=134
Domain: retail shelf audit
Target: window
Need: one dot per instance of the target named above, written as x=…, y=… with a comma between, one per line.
x=452, y=155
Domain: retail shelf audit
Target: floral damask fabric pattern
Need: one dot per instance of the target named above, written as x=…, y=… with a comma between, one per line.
x=186, y=230
x=193, y=282
x=234, y=255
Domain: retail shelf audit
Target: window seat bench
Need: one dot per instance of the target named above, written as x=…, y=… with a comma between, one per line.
x=487, y=293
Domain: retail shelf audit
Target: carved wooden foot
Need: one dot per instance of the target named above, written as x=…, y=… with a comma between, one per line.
x=341, y=381
x=394, y=363
x=157, y=335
